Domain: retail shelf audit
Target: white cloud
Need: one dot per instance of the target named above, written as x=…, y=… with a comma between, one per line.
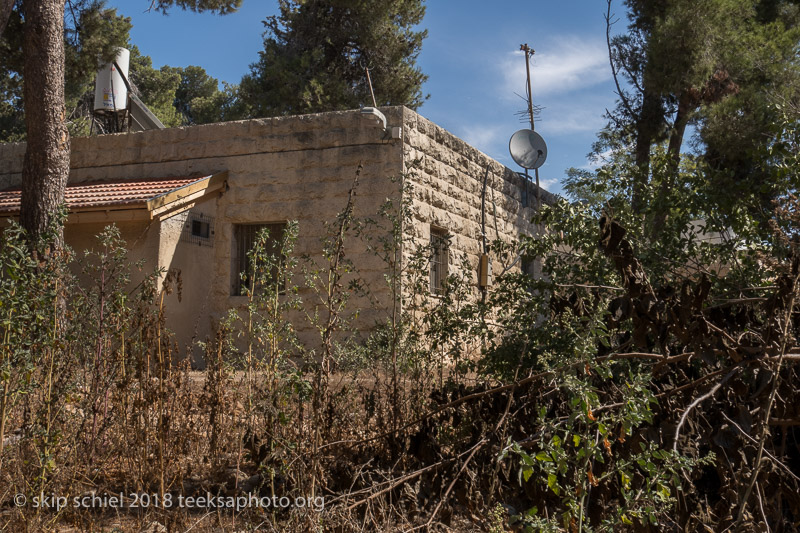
x=566, y=118
x=570, y=64
x=548, y=184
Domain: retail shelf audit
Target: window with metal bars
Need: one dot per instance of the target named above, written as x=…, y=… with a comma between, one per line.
x=244, y=239
x=439, y=252
x=198, y=229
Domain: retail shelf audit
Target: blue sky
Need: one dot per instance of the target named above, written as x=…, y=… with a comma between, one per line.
x=471, y=57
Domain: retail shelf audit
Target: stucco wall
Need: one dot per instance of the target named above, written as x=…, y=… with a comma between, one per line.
x=190, y=304
x=141, y=238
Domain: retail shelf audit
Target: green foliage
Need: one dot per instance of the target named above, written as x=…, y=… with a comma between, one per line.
x=596, y=437
x=65, y=345
x=720, y=66
x=315, y=53
x=222, y=7
x=270, y=292
x=334, y=280
x=156, y=87
x=92, y=35
x=399, y=340
x=589, y=398
x=178, y=96
x=267, y=336
x=580, y=451
x=28, y=316
x=199, y=100
x=181, y=96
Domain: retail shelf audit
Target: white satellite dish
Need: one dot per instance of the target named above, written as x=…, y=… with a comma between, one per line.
x=528, y=149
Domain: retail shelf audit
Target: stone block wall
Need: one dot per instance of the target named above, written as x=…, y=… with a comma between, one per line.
x=457, y=188
x=301, y=168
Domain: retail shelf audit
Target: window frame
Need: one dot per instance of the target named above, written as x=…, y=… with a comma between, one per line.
x=245, y=235
x=203, y=226
x=439, y=243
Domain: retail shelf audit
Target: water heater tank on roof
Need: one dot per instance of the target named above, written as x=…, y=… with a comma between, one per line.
x=110, y=92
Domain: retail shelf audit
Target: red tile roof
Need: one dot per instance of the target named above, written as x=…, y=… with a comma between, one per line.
x=128, y=194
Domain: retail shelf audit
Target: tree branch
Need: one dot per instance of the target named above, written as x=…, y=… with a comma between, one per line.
x=698, y=401
x=785, y=344
x=777, y=461
x=625, y=103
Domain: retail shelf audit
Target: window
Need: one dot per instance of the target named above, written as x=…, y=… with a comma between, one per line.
x=198, y=229
x=529, y=266
x=244, y=239
x=439, y=253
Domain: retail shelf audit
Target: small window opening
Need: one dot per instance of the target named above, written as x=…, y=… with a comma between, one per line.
x=439, y=258
x=198, y=229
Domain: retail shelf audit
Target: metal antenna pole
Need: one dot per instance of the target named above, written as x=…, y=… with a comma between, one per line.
x=371, y=92
x=529, y=54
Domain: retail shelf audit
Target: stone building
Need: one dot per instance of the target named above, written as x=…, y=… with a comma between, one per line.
x=192, y=198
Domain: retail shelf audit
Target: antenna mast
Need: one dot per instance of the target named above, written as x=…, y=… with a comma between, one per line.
x=369, y=82
x=528, y=55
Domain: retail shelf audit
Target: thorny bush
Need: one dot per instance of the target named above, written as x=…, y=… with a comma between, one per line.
x=642, y=382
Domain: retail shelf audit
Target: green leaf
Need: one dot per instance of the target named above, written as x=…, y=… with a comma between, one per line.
x=527, y=472
x=544, y=456
x=526, y=458
x=552, y=482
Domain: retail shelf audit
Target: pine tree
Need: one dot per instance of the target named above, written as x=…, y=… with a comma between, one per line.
x=199, y=100
x=316, y=52
x=46, y=165
x=718, y=65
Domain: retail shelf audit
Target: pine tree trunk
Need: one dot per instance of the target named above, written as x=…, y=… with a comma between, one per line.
x=647, y=124
x=6, y=6
x=686, y=107
x=46, y=166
